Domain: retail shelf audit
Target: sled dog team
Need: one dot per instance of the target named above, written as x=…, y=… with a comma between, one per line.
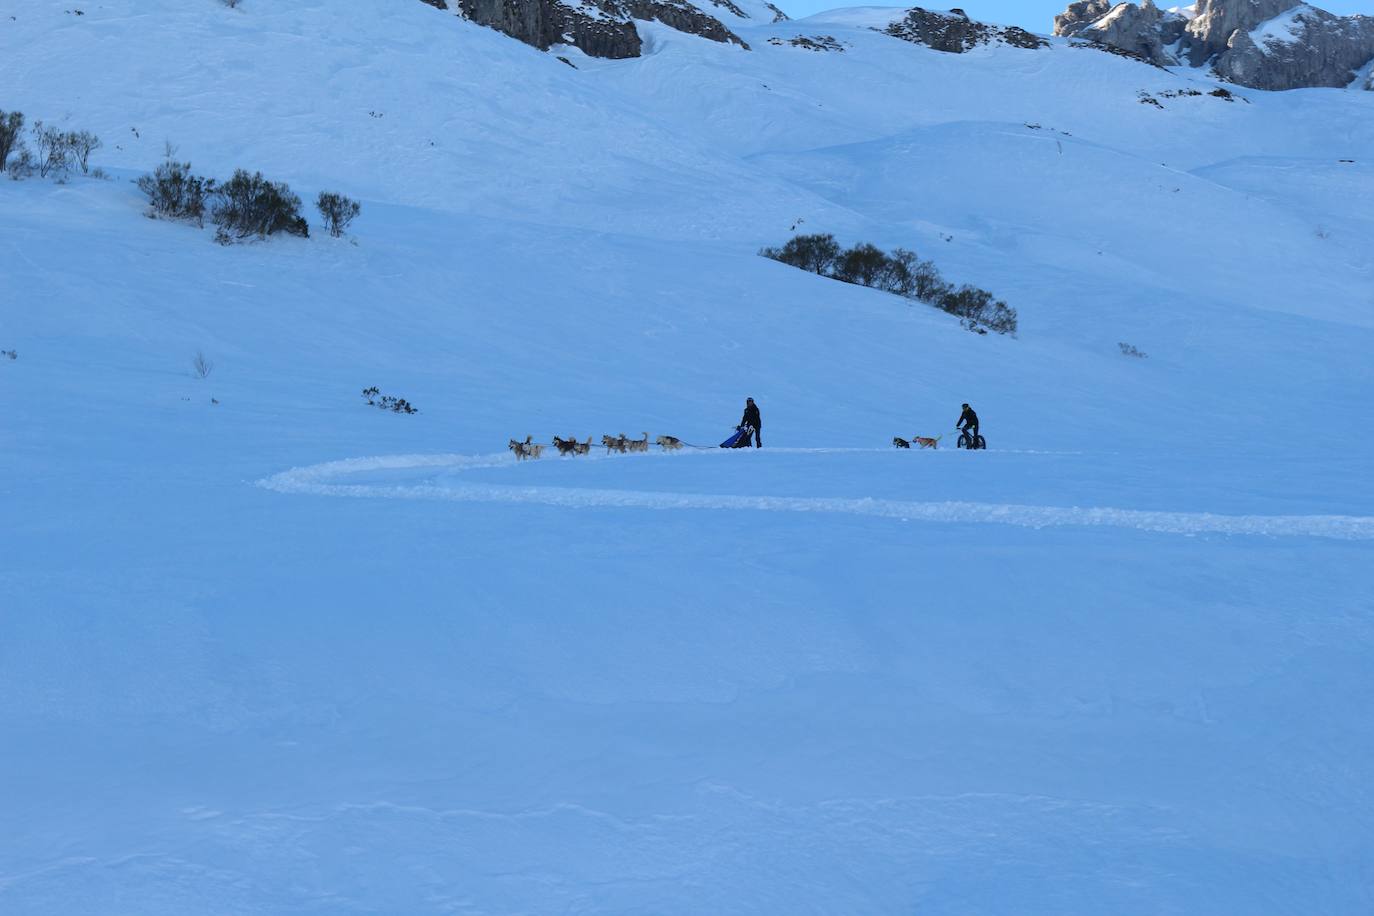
x=621, y=443
x=968, y=424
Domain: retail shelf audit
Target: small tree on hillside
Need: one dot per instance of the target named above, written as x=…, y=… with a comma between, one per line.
x=863, y=264
x=54, y=150
x=82, y=144
x=338, y=211
x=816, y=253
x=897, y=276
x=926, y=283
x=979, y=311
x=11, y=129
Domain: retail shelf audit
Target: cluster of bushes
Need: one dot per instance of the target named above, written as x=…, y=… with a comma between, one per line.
x=375, y=398
x=900, y=272
x=54, y=154
x=245, y=206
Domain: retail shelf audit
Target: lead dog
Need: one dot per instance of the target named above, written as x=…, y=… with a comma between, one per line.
x=668, y=443
x=526, y=449
x=899, y=442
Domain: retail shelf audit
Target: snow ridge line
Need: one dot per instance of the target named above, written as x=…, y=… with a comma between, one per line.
x=318, y=480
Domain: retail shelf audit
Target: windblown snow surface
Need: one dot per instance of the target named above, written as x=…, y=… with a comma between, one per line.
x=286, y=653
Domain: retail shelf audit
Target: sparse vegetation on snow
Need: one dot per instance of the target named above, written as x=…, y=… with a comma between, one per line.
x=900, y=272
x=175, y=192
x=337, y=211
x=375, y=398
x=11, y=131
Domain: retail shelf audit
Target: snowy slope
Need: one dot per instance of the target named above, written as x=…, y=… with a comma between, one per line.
x=286, y=653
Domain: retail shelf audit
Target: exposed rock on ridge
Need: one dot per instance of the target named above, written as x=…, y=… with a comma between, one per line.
x=598, y=28
x=955, y=33
x=1142, y=31
x=1264, y=44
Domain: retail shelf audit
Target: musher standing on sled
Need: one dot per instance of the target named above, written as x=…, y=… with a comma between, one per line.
x=752, y=419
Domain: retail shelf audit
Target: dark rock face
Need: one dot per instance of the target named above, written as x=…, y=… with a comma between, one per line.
x=680, y=15
x=544, y=23
x=598, y=28
x=1311, y=48
x=1263, y=44
x=955, y=33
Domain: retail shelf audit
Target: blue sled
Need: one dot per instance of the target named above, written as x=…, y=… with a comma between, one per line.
x=743, y=436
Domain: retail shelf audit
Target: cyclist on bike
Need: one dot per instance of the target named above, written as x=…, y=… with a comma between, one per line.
x=968, y=422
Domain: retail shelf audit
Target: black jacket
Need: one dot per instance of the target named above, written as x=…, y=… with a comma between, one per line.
x=751, y=417
x=968, y=418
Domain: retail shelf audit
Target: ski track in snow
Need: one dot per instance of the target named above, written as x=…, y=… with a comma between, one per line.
x=321, y=480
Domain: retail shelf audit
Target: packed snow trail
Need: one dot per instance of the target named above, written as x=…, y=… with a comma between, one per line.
x=321, y=480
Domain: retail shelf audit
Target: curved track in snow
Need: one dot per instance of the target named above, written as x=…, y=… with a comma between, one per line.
x=330, y=479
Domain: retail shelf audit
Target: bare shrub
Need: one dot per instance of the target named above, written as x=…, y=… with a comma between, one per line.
x=82, y=144
x=978, y=311
x=21, y=164
x=1131, y=350
x=54, y=150
x=11, y=130
x=201, y=366
x=249, y=204
x=175, y=192
x=375, y=398
x=338, y=211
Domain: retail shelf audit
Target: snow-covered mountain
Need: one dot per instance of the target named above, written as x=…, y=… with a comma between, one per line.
x=1264, y=44
x=267, y=649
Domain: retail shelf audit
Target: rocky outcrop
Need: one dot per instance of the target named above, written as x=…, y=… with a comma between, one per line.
x=1305, y=47
x=1080, y=15
x=955, y=33
x=1263, y=44
x=1142, y=31
x=680, y=15
x=598, y=28
x=810, y=43
x=1216, y=21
